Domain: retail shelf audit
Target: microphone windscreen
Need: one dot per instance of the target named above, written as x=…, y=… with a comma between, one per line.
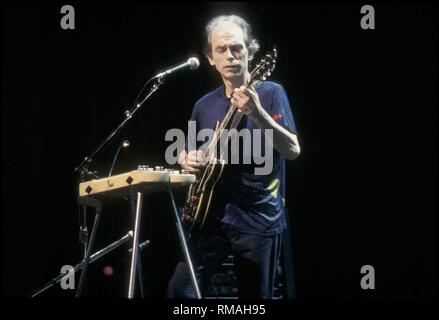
x=194, y=63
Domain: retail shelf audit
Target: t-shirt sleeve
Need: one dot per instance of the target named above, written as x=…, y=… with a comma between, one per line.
x=281, y=109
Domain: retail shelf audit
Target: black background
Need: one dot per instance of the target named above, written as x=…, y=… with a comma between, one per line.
x=362, y=192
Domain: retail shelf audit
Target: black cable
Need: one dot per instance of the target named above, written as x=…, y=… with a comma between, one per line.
x=141, y=90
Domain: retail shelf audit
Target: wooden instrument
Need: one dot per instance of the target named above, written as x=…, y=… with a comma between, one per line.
x=144, y=178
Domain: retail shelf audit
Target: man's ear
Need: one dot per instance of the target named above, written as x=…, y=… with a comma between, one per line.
x=211, y=62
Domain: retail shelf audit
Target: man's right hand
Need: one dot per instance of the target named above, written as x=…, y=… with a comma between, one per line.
x=192, y=161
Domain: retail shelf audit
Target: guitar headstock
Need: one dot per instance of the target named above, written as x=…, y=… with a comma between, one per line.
x=265, y=66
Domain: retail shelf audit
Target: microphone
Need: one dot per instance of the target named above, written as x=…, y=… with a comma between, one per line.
x=193, y=63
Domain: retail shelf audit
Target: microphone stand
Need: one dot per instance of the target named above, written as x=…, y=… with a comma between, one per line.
x=84, y=170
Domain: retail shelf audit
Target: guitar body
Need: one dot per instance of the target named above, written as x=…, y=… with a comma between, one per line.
x=200, y=193
x=200, y=196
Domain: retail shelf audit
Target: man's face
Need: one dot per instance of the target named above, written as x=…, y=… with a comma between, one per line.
x=229, y=52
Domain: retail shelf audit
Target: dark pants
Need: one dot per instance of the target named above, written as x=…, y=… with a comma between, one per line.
x=255, y=256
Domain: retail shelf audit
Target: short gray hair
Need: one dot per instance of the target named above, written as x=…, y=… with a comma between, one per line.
x=251, y=43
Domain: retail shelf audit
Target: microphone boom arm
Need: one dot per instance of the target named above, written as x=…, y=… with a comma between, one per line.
x=82, y=167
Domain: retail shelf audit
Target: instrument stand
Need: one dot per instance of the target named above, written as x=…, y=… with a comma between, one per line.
x=135, y=267
x=137, y=198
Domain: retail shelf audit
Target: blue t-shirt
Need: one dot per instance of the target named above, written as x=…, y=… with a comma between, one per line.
x=251, y=203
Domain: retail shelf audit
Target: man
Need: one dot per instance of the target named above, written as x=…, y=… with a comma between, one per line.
x=248, y=212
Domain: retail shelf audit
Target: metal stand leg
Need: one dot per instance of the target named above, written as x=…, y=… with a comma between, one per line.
x=135, y=253
x=143, y=245
x=185, y=247
x=139, y=273
x=87, y=257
